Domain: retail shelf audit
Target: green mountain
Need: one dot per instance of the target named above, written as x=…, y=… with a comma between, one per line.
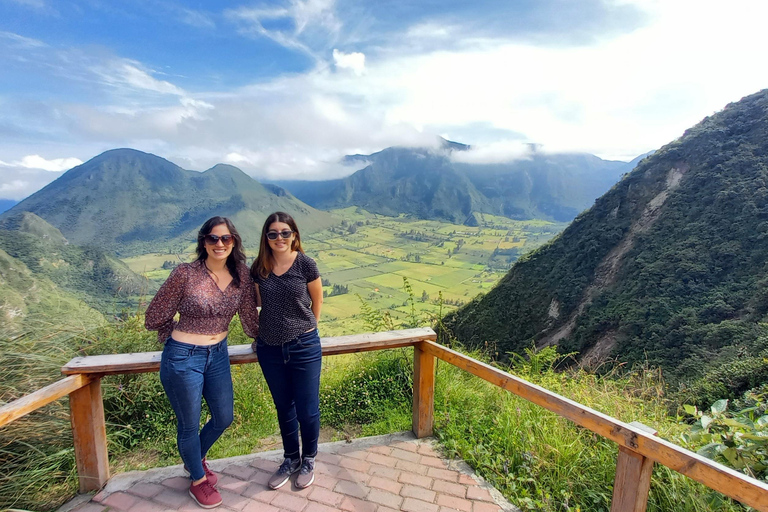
x=88, y=273
x=131, y=202
x=670, y=267
x=427, y=183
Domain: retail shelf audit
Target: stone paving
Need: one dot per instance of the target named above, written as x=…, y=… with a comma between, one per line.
x=375, y=474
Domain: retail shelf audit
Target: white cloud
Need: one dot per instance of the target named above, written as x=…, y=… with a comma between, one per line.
x=354, y=61
x=38, y=162
x=129, y=74
x=494, y=153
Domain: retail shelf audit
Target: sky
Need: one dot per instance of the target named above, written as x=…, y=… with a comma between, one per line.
x=285, y=89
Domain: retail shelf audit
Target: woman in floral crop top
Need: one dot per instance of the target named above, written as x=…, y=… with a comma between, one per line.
x=195, y=361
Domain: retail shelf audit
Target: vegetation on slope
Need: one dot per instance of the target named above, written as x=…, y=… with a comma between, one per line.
x=668, y=267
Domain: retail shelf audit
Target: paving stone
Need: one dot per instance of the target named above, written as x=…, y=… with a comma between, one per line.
x=427, y=449
x=355, y=454
x=255, y=506
x=466, y=479
x=269, y=466
x=476, y=493
x=319, y=507
x=384, y=498
x=355, y=505
x=383, y=450
x=146, y=490
x=451, y=488
x=419, y=493
x=330, y=458
x=179, y=482
x=120, y=501
x=414, y=479
x=410, y=446
x=325, y=496
x=454, y=502
x=232, y=484
x=384, y=460
x=355, y=489
x=405, y=455
x=432, y=462
x=289, y=502
x=89, y=507
x=143, y=505
x=384, y=472
x=326, y=481
x=485, y=507
x=354, y=464
x=414, y=468
x=233, y=500
x=413, y=505
x=443, y=474
x=241, y=472
x=259, y=492
x=385, y=484
x=173, y=498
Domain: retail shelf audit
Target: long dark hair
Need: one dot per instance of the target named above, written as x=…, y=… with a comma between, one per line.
x=263, y=263
x=236, y=257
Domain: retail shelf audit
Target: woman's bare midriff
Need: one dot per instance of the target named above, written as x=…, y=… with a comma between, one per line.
x=198, y=339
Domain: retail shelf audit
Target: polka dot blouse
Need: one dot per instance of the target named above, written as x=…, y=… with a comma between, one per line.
x=286, y=307
x=203, y=308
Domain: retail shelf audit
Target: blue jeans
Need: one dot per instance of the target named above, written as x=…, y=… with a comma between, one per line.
x=190, y=373
x=292, y=372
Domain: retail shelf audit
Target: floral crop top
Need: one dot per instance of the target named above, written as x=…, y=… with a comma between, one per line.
x=203, y=308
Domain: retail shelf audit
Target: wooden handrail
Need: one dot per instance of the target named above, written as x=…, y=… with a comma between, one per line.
x=142, y=362
x=50, y=393
x=706, y=471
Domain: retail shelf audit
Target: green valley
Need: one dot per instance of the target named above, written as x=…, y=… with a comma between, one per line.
x=369, y=255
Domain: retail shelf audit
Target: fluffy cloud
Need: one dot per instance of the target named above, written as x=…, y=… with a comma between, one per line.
x=354, y=61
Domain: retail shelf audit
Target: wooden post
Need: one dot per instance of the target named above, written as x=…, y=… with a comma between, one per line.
x=633, y=478
x=423, y=391
x=632, y=482
x=89, y=433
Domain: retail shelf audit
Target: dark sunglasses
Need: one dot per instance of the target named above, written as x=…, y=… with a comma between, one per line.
x=214, y=239
x=286, y=233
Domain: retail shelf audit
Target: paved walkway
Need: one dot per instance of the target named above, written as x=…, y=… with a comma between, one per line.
x=375, y=474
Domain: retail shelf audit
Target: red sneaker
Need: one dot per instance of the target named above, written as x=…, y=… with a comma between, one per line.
x=212, y=478
x=205, y=494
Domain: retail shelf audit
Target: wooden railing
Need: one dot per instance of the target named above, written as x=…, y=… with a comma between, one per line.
x=638, y=449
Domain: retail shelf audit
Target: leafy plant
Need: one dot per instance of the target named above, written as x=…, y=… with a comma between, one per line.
x=738, y=439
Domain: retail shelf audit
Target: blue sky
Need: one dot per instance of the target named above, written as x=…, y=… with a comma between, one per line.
x=284, y=89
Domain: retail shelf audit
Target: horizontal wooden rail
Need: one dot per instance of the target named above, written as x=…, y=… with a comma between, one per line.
x=143, y=362
x=29, y=403
x=715, y=476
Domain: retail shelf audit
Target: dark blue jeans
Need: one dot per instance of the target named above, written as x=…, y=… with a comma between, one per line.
x=292, y=372
x=190, y=373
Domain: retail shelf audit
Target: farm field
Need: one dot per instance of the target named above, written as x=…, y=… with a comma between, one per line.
x=369, y=255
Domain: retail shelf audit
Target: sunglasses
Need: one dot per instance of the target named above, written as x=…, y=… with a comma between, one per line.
x=286, y=233
x=214, y=239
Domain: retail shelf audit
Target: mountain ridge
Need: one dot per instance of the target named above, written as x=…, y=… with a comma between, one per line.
x=125, y=201
x=427, y=183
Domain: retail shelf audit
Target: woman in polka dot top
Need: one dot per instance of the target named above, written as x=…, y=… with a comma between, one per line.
x=288, y=345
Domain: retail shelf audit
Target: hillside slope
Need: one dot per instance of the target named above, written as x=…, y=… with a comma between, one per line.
x=87, y=273
x=668, y=267
x=132, y=202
